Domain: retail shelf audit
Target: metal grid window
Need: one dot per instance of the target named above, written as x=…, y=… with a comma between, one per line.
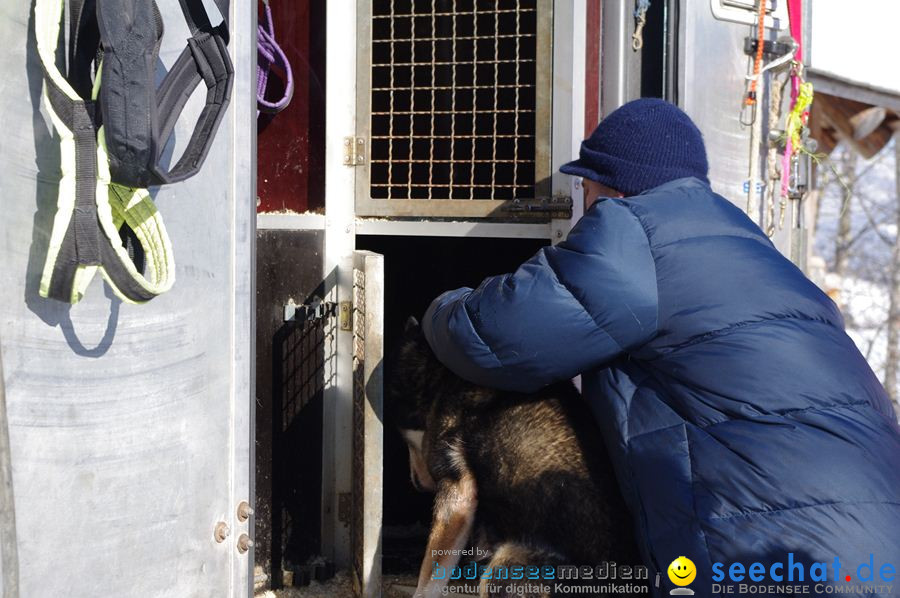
x=454, y=93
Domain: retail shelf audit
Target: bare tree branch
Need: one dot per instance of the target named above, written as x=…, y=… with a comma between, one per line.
x=891, y=365
x=875, y=225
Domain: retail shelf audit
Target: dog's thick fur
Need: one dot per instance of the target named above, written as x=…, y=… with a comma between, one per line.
x=527, y=474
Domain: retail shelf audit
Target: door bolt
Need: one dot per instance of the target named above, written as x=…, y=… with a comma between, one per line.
x=221, y=532
x=244, y=510
x=244, y=543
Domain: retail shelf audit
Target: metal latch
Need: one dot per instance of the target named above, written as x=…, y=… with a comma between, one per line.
x=308, y=312
x=354, y=151
x=557, y=207
x=771, y=49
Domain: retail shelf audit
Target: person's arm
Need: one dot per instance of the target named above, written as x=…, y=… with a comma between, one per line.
x=568, y=309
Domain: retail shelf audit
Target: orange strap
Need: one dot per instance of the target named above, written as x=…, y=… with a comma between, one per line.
x=757, y=64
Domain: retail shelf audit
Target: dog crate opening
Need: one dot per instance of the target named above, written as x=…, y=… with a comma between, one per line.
x=440, y=264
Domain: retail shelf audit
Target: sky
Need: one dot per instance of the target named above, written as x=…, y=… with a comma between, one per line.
x=857, y=40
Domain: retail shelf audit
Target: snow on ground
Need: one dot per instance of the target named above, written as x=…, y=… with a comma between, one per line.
x=864, y=305
x=865, y=308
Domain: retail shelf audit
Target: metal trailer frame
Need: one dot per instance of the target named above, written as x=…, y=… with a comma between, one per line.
x=340, y=121
x=9, y=552
x=130, y=427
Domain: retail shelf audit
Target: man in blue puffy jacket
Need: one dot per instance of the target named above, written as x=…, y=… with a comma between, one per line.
x=748, y=432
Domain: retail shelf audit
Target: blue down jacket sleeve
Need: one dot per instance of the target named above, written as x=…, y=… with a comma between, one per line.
x=568, y=309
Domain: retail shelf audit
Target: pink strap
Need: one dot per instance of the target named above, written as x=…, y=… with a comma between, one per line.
x=795, y=17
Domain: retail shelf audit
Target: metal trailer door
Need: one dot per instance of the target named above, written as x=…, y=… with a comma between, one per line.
x=709, y=67
x=454, y=110
x=367, y=323
x=129, y=427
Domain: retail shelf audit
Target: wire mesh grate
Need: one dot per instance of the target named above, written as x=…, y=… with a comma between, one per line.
x=359, y=397
x=303, y=360
x=298, y=381
x=453, y=99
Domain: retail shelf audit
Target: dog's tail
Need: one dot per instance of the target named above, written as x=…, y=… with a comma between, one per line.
x=512, y=554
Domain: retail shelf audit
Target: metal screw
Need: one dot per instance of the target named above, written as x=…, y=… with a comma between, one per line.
x=244, y=543
x=221, y=532
x=244, y=511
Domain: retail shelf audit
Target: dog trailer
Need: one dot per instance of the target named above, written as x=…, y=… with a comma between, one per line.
x=231, y=433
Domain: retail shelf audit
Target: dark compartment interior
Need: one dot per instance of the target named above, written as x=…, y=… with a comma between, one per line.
x=416, y=270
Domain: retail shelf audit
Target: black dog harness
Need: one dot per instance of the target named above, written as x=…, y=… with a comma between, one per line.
x=113, y=125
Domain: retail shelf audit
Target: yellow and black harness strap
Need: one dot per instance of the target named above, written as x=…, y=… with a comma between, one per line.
x=91, y=210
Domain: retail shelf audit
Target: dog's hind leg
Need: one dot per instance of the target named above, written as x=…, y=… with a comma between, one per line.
x=454, y=514
x=512, y=554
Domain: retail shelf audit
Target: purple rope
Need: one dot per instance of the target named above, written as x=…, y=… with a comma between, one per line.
x=269, y=53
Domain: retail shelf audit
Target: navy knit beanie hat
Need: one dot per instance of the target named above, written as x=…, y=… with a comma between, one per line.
x=642, y=145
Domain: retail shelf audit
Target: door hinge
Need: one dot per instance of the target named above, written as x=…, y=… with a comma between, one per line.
x=346, y=311
x=345, y=507
x=354, y=151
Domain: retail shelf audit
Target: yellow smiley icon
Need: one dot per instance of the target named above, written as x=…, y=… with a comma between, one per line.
x=682, y=571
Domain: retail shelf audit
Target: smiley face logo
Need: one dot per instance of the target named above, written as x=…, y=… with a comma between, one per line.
x=682, y=571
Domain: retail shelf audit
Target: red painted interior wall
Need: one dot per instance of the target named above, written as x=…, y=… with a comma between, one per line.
x=291, y=153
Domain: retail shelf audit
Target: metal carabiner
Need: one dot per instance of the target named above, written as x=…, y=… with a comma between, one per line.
x=637, y=38
x=752, y=105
